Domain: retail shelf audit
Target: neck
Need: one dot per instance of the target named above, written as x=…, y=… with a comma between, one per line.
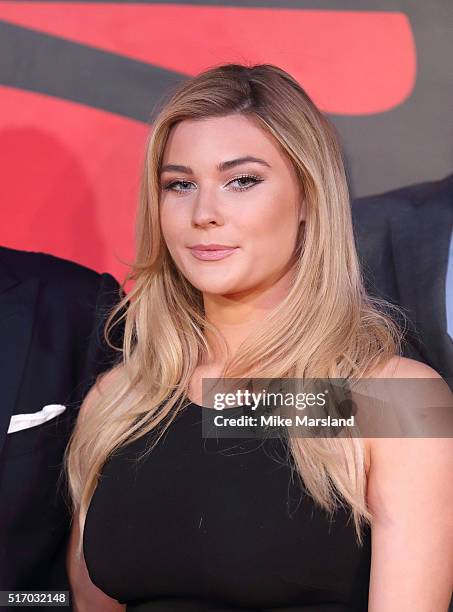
x=235, y=316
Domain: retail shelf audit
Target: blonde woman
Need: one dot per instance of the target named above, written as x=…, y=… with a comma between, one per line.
x=246, y=267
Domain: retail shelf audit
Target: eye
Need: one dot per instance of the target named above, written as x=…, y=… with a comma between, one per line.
x=171, y=186
x=247, y=178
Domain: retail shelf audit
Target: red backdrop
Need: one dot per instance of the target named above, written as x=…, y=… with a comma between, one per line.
x=70, y=164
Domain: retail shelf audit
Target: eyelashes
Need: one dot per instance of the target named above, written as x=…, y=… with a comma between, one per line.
x=250, y=177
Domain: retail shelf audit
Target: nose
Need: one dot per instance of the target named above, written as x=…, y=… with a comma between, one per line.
x=206, y=209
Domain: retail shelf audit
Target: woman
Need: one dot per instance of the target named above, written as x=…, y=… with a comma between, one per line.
x=246, y=267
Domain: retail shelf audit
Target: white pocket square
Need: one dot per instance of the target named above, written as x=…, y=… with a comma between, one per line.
x=25, y=421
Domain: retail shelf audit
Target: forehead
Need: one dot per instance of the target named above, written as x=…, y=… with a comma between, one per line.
x=218, y=138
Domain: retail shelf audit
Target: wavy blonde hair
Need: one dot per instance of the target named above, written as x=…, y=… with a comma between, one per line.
x=327, y=326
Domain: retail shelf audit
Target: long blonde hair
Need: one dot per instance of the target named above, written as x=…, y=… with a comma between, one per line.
x=327, y=326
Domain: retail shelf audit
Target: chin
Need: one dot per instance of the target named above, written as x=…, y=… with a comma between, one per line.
x=215, y=288
x=213, y=281
x=215, y=284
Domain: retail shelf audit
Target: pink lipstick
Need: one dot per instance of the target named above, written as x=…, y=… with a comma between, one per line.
x=211, y=252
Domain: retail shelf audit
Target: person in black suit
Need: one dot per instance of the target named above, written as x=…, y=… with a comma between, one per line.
x=52, y=313
x=403, y=240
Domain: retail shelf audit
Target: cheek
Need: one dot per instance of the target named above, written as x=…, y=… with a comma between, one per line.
x=172, y=225
x=272, y=225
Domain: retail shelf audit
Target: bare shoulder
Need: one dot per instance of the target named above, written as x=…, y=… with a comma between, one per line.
x=397, y=367
x=381, y=450
x=410, y=497
x=403, y=367
x=397, y=459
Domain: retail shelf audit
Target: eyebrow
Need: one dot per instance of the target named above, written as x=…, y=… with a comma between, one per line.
x=221, y=167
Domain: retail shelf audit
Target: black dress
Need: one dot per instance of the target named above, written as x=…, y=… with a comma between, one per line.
x=206, y=524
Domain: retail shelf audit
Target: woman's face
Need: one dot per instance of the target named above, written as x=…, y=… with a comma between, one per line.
x=211, y=197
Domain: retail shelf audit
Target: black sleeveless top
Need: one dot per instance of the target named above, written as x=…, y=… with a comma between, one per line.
x=218, y=524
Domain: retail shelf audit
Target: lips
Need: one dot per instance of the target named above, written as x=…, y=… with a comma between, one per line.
x=211, y=252
x=211, y=247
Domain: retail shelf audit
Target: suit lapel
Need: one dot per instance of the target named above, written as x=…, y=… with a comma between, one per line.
x=403, y=235
x=403, y=238
x=434, y=227
x=17, y=313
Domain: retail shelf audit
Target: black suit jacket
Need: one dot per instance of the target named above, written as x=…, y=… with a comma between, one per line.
x=51, y=317
x=403, y=239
